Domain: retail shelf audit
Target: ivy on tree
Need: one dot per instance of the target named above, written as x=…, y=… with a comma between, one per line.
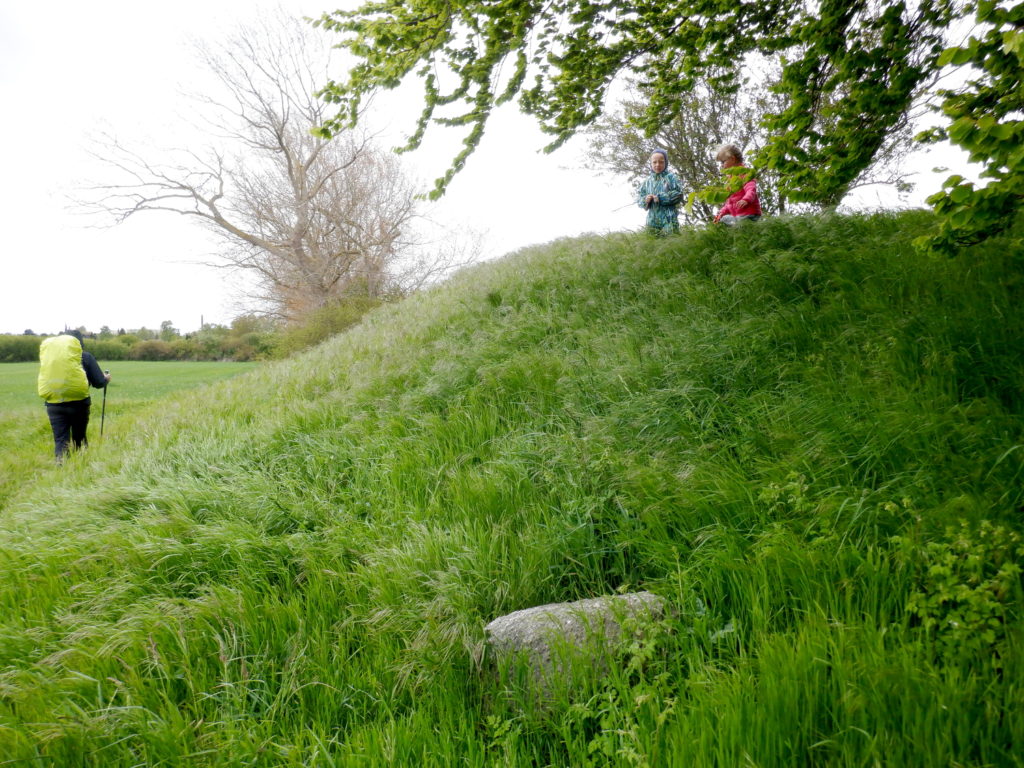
x=858, y=64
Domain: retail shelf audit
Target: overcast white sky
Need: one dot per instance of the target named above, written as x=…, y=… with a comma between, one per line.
x=69, y=68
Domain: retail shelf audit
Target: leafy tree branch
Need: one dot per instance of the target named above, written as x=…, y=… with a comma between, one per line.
x=850, y=73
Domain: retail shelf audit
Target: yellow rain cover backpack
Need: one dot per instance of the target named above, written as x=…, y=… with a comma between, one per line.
x=61, y=376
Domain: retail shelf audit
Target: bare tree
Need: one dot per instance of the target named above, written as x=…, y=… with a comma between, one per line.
x=312, y=220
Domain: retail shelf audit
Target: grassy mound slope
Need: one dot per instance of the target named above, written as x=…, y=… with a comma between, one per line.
x=803, y=434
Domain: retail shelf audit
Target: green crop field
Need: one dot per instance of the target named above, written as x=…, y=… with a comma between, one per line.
x=806, y=436
x=133, y=382
x=26, y=444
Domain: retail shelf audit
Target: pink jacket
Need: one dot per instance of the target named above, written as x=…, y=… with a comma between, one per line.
x=748, y=193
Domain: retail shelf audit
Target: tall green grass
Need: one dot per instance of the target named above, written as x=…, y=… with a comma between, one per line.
x=804, y=435
x=26, y=441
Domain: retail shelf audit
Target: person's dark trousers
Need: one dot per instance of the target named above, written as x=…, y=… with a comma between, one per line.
x=69, y=422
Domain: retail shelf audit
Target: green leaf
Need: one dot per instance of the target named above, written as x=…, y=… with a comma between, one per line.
x=961, y=194
x=960, y=130
x=960, y=218
x=954, y=57
x=1013, y=42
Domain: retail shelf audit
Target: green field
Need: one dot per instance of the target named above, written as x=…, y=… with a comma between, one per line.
x=805, y=435
x=26, y=443
x=131, y=382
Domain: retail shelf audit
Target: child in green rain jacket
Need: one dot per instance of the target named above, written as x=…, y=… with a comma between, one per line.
x=659, y=194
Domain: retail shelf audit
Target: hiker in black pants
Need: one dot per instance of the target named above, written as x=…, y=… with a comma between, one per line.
x=66, y=390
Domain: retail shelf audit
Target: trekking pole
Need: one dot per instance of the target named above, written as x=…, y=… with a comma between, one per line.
x=103, y=410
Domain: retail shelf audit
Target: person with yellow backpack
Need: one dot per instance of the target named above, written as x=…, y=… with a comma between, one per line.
x=66, y=371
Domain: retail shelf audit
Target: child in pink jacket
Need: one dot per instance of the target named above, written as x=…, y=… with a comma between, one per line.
x=744, y=204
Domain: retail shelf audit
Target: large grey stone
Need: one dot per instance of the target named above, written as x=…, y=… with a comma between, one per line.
x=552, y=637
